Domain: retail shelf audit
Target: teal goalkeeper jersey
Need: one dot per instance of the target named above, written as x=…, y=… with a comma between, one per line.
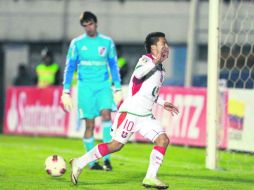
x=92, y=57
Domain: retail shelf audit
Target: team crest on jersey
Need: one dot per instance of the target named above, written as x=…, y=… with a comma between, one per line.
x=144, y=59
x=102, y=51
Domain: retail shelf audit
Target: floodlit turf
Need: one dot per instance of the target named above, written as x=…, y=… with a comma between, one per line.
x=22, y=167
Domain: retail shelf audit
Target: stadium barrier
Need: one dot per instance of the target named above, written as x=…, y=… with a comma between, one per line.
x=35, y=111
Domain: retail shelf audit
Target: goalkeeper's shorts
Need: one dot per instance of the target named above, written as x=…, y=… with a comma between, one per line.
x=92, y=99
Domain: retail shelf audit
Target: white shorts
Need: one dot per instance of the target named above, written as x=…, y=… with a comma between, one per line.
x=125, y=125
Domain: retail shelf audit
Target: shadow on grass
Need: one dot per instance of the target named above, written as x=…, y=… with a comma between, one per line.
x=211, y=178
x=119, y=179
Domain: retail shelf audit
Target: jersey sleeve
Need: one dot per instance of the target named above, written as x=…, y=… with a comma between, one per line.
x=114, y=69
x=70, y=66
x=143, y=67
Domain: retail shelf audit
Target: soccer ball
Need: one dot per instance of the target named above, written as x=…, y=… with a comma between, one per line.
x=55, y=165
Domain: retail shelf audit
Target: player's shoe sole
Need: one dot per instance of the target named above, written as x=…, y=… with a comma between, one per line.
x=75, y=171
x=154, y=186
x=154, y=183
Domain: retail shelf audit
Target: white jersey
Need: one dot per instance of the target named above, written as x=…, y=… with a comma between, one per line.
x=142, y=94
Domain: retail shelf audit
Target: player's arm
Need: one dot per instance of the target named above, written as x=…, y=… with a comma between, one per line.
x=144, y=66
x=114, y=69
x=70, y=67
x=167, y=106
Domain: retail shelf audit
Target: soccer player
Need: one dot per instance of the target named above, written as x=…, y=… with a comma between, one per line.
x=135, y=113
x=93, y=54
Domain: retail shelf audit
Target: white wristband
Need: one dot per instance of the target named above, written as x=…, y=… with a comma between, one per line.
x=160, y=101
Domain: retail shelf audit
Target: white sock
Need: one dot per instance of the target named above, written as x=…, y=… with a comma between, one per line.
x=90, y=156
x=156, y=159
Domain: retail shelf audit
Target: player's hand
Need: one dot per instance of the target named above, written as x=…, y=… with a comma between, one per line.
x=118, y=97
x=66, y=100
x=162, y=55
x=171, y=108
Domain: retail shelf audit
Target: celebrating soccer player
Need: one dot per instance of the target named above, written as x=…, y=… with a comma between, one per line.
x=92, y=54
x=135, y=113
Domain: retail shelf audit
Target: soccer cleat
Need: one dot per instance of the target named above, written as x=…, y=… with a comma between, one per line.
x=107, y=166
x=75, y=171
x=96, y=166
x=154, y=183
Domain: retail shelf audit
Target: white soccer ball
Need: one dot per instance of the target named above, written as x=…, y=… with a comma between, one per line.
x=55, y=165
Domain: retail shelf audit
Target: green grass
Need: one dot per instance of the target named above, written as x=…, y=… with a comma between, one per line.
x=22, y=167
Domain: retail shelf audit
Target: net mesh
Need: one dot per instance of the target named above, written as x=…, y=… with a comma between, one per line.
x=236, y=32
x=236, y=43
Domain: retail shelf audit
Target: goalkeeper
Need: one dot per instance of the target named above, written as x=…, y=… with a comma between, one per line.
x=92, y=54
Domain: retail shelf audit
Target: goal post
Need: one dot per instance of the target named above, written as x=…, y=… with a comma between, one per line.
x=212, y=84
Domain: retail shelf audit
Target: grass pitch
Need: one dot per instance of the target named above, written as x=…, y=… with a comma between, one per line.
x=22, y=167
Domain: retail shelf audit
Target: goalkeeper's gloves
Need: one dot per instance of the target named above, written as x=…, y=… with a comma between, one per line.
x=66, y=100
x=118, y=97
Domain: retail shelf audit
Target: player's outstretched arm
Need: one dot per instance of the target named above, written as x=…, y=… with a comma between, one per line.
x=167, y=106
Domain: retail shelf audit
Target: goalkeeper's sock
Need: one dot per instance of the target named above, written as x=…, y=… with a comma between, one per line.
x=106, y=134
x=96, y=153
x=89, y=144
x=156, y=158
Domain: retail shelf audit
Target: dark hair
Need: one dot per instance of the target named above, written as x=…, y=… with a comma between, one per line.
x=151, y=39
x=22, y=68
x=86, y=17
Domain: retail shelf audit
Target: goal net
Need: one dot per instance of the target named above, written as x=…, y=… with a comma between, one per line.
x=236, y=43
x=236, y=78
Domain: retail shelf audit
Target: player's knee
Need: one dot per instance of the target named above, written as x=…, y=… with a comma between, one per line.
x=106, y=115
x=89, y=131
x=89, y=124
x=162, y=140
x=89, y=128
x=166, y=140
